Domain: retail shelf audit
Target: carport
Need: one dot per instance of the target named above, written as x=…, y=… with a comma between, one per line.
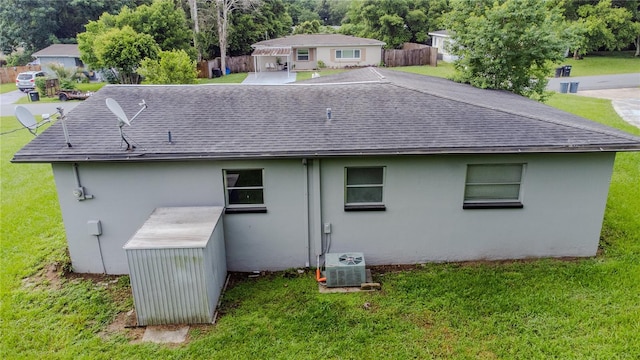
x=265, y=58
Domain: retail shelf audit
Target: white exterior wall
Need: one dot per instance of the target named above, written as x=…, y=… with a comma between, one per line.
x=564, y=197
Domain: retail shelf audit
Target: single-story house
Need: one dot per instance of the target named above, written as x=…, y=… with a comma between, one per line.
x=65, y=54
x=441, y=39
x=304, y=52
x=402, y=167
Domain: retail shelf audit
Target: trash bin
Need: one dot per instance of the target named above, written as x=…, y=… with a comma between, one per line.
x=567, y=70
x=34, y=96
x=564, y=86
x=573, y=87
x=217, y=73
x=559, y=71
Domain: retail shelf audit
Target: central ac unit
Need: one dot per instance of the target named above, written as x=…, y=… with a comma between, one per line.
x=346, y=269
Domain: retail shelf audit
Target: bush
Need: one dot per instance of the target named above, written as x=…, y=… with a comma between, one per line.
x=16, y=59
x=171, y=67
x=41, y=86
x=321, y=64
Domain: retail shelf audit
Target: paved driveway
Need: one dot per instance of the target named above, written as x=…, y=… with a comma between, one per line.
x=269, y=78
x=7, y=106
x=599, y=82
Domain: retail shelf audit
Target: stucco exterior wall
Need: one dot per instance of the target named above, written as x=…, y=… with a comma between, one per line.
x=125, y=195
x=369, y=55
x=68, y=62
x=564, y=197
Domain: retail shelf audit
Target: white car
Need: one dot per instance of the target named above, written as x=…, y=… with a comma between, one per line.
x=27, y=80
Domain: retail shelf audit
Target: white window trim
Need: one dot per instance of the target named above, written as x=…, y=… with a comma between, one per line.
x=308, y=54
x=348, y=58
x=496, y=203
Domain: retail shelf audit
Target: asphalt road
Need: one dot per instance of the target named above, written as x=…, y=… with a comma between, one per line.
x=598, y=82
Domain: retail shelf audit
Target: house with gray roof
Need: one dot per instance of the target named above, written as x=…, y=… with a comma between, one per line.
x=306, y=51
x=66, y=54
x=402, y=167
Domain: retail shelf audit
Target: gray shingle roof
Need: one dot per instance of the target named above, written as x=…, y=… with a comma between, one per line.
x=312, y=40
x=59, y=50
x=383, y=112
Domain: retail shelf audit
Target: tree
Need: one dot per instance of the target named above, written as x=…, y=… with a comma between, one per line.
x=506, y=44
x=35, y=24
x=605, y=26
x=223, y=11
x=122, y=50
x=250, y=25
x=161, y=22
x=171, y=67
x=394, y=21
x=308, y=27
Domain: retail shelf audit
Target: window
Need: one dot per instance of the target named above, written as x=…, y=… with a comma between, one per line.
x=348, y=54
x=363, y=188
x=302, y=54
x=244, y=190
x=493, y=186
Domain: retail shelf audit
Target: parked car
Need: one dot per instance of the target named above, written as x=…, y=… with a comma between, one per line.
x=27, y=80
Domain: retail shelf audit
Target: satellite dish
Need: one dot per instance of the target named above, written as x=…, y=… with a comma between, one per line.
x=116, y=109
x=26, y=119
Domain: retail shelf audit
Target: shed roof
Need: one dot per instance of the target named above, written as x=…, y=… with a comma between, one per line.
x=373, y=112
x=59, y=50
x=443, y=33
x=312, y=40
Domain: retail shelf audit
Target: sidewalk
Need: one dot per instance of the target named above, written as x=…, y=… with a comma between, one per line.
x=626, y=102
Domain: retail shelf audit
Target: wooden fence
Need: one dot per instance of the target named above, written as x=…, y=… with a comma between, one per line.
x=8, y=74
x=413, y=55
x=236, y=64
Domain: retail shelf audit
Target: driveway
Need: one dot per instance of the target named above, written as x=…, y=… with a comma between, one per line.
x=7, y=106
x=626, y=102
x=269, y=78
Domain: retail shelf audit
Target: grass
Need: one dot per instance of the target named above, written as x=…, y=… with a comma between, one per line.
x=605, y=63
x=235, y=78
x=443, y=70
x=7, y=87
x=578, y=309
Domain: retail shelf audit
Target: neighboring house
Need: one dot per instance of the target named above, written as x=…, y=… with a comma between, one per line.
x=402, y=167
x=441, y=39
x=303, y=52
x=65, y=54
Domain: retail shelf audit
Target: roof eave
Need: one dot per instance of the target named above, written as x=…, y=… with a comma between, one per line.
x=141, y=157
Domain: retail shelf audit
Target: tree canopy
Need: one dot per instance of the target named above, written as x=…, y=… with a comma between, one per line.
x=36, y=24
x=394, y=21
x=507, y=44
x=144, y=31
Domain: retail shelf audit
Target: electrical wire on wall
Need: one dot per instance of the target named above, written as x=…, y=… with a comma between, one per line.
x=104, y=268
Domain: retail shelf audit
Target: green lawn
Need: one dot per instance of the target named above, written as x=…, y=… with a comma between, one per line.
x=6, y=87
x=227, y=79
x=605, y=63
x=581, y=309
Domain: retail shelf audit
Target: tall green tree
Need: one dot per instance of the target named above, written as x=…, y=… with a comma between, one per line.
x=35, y=24
x=165, y=23
x=123, y=50
x=507, y=44
x=267, y=20
x=605, y=26
x=394, y=21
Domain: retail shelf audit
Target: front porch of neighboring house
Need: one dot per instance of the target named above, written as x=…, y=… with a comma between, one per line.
x=272, y=59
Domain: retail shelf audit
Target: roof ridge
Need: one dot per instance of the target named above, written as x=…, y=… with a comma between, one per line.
x=619, y=134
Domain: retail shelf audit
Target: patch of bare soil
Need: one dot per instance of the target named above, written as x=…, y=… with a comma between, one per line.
x=124, y=324
x=49, y=276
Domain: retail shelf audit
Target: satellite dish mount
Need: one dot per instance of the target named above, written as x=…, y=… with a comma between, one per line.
x=29, y=122
x=116, y=109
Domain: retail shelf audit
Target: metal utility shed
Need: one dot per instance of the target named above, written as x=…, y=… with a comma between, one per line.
x=177, y=264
